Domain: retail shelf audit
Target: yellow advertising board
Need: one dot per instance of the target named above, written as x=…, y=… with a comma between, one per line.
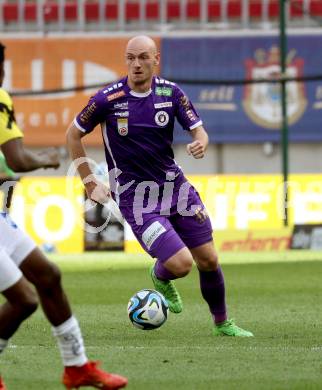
x=239, y=240
x=50, y=210
x=245, y=210
x=241, y=202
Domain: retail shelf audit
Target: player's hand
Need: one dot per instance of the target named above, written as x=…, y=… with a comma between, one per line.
x=196, y=149
x=51, y=158
x=97, y=191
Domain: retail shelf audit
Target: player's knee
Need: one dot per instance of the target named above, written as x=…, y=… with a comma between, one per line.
x=51, y=278
x=208, y=263
x=184, y=266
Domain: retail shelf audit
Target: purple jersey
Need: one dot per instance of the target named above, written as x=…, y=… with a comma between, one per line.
x=137, y=129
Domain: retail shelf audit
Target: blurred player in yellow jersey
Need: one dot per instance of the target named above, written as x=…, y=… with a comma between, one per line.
x=22, y=263
x=18, y=157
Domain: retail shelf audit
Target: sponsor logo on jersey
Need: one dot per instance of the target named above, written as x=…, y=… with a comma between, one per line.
x=115, y=95
x=162, y=105
x=163, y=91
x=161, y=118
x=121, y=106
x=185, y=102
x=152, y=233
x=87, y=113
x=123, y=114
x=187, y=107
x=122, y=126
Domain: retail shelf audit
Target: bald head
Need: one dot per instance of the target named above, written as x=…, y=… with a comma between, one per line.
x=142, y=57
x=141, y=43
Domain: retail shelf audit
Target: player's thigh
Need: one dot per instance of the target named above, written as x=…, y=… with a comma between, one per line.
x=155, y=234
x=195, y=230
x=20, y=293
x=39, y=270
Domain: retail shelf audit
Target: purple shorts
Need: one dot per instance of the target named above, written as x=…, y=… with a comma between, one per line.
x=163, y=232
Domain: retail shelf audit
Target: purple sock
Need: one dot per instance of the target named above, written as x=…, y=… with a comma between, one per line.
x=212, y=287
x=162, y=273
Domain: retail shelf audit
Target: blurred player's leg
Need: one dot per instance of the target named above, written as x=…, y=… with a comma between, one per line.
x=20, y=251
x=46, y=277
x=78, y=371
x=21, y=301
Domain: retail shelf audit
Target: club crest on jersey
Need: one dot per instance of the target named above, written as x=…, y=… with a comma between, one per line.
x=161, y=118
x=122, y=126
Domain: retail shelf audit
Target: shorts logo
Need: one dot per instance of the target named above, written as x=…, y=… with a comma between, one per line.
x=115, y=95
x=152, y=233
x=161, y=118
x=122, y=126
x=201, y=215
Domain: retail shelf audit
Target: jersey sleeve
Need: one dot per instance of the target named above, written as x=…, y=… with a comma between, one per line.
x=8, y=127
x=92, y=114
x=185, y=111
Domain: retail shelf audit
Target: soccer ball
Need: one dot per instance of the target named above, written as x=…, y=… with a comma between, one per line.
x=148, y=309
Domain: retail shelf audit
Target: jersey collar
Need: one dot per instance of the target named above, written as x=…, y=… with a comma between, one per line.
x=139, y=94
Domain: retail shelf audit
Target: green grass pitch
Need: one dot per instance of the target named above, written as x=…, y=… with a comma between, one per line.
x=278, y=296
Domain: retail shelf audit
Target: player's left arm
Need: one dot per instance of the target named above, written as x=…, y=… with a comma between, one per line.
x=197, y=148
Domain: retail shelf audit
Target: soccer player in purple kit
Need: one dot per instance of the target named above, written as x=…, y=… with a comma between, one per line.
x=166, y=214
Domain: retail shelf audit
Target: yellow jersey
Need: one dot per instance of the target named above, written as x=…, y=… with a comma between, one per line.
x=8, y=127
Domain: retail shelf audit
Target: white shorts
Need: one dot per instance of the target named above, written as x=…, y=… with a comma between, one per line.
x=15, y=246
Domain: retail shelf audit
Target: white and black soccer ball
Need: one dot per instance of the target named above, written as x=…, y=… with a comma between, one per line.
x=148, y=309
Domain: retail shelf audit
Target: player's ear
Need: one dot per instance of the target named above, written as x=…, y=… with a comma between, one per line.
x=157, y=59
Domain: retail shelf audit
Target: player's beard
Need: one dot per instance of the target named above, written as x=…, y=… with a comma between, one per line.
x=145, y=80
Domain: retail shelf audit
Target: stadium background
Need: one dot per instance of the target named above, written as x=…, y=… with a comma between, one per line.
x=211, y=48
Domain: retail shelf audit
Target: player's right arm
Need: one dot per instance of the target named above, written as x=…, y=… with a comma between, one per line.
x=18, y=158
x=84, y=123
